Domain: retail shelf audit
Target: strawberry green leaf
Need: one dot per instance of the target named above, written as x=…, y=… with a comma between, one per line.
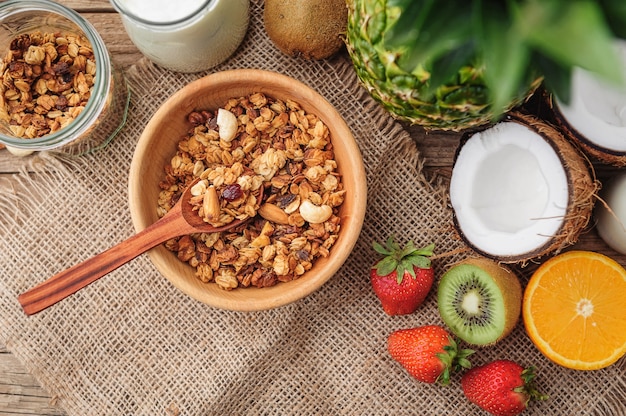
x=407, y=266
x=529, y=387
x=417, y=260
x=453, y=359
x=380, y=249
x=386, y=266
x=401, y=260
x=400, y=273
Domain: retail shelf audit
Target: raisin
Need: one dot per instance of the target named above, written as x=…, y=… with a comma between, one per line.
x=232, y=192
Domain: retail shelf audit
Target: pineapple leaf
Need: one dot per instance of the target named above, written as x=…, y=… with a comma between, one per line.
x=615, y=12
x=449, y=65
x=557, y=79
x=424, y=33
x=573, y=34
x=375, y=26
x=412, y=15
x=505, y=55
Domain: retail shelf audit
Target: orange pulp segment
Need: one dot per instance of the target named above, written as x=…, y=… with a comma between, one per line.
x=574, y=310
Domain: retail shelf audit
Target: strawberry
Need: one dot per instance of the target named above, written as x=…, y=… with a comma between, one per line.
x=502, y=387
x=403, y=278
x=428, y=353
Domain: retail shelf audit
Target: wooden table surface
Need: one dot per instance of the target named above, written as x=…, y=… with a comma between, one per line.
x=20, y=394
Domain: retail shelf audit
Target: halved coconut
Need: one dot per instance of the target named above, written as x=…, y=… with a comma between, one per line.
x=595, y=117
x=520, y=190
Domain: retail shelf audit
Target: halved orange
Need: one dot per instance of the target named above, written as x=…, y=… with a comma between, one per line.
x=574, y=310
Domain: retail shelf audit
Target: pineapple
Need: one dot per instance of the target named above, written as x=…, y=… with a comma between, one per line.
x=459, y=64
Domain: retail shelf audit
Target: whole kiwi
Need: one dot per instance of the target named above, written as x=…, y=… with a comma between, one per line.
x=312, y=29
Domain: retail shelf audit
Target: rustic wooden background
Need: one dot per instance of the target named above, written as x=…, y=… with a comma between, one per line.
x=20, y=394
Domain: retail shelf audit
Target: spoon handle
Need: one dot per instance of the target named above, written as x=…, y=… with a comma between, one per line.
x=69, y=281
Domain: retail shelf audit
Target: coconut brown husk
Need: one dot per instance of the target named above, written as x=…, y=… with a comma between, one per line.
x=582, y=186
x=599, y=153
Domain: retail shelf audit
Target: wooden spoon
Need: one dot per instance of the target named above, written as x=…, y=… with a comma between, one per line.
x=180, y=220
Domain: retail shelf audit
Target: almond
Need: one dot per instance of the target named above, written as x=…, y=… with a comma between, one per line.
x=273, y=213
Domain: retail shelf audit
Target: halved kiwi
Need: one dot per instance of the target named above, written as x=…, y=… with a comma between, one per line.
x=479, y=300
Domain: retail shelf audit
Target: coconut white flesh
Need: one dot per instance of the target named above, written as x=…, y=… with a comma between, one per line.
x=597, y=109
x=509, y=190
x=611, y=221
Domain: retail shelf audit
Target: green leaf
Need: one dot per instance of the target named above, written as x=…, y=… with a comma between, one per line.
x=376, y=23
x=408, y=249
x=386, y=266
x=505, y=54
x=446, y=68
x=418, y=260
x=615, y=12
x=426, y=251
x=392, y=245
x=423, y=33
x=412, y=15
x=407, y=265
x=557, y=79
x=574, y=34
x=400, y=273
x=380, y=249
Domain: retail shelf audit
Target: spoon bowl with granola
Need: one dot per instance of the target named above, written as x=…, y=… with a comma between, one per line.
x=198, y=210
x=239, y=131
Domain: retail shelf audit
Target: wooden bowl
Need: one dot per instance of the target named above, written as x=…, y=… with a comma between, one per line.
x=157, y=145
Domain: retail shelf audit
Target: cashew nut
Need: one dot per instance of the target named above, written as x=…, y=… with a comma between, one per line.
x=315, y=214
x=227, y=125
x=199, y=188
x=18, y=152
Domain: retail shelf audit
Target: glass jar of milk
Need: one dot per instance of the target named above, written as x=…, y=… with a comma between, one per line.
x=187, y=35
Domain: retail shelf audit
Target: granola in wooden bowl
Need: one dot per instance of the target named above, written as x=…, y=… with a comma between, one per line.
x=287, y=140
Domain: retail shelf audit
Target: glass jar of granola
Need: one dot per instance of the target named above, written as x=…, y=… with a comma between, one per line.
x=185, y=36
x=59, y=89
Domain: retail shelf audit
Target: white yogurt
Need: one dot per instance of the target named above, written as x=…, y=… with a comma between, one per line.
x=185, y=36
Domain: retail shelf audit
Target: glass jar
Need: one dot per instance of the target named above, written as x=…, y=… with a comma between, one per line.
x=88, y=125
x=185, y=36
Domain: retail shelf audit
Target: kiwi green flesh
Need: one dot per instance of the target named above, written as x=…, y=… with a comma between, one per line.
x=471, y=305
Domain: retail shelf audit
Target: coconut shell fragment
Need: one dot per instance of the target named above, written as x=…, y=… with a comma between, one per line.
x=536, y=200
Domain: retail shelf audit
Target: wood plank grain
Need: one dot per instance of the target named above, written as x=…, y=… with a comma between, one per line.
x=119, y=45
x=20, y=393
x=82, y=6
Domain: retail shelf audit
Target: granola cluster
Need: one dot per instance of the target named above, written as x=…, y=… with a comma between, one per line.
x=46, y=81
x=275, y=145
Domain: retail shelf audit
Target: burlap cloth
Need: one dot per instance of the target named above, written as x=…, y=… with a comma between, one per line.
x=132, y=344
